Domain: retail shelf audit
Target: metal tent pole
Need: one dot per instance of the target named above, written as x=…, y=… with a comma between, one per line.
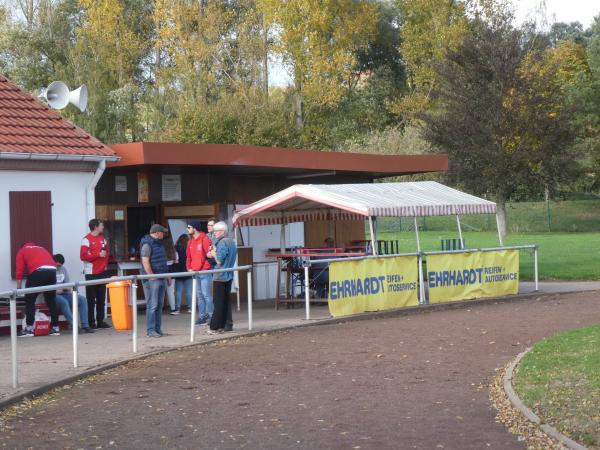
x=417, y=234
x=460, y=235
x=420, y=261
x=236, y=274
x=498, y=227
x=373, y=244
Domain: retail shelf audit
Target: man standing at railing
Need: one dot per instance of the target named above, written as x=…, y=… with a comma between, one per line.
x=198, y=247
x=38, y=264
x=224, y=252
x=94, y=254
x=154, y=261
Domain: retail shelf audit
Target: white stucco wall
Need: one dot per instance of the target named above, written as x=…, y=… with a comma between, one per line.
x=69, y=216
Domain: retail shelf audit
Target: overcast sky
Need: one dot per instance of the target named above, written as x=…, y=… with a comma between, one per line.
x=582, y=11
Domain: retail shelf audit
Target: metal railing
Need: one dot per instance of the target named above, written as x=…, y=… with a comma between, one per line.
x=13, y=294
x=421, y=257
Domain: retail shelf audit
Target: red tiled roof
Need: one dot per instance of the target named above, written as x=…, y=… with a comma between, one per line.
x=29, y=126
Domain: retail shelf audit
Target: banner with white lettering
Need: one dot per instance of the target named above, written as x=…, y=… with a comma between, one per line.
x=463, y=276
x=372, y=284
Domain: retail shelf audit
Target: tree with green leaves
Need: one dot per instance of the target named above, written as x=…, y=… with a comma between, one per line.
x=319, y=41
x=502, y=117
x=429, y=29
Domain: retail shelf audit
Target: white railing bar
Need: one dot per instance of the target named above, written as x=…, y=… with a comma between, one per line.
x=12, y=295
x=13, y=339
x=134, y=315
x=52, y=287
x=307, y=290
x=249, y=287
x=483, y=249
x=75, y=325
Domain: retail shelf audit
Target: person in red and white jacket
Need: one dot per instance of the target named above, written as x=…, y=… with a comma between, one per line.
x=94, y=254
x=38, y=264
x=198, y=245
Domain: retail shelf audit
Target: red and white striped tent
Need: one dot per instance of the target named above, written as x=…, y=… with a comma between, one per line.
x=306, y=202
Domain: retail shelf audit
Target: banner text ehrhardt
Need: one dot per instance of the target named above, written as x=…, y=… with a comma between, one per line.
x=368, y=286
x=372, y=284
x=477, y=275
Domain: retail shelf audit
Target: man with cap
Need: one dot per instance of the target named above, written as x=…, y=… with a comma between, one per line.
x=154, y=260
x=196, y=261
x=224, y=252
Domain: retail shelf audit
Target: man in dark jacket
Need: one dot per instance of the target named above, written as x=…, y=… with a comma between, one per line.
x=154, y=260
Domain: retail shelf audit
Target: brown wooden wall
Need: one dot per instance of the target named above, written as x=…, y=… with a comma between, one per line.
x=201, y=186
x=343, y=232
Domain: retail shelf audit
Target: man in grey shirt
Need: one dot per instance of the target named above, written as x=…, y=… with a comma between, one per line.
x=64, y=296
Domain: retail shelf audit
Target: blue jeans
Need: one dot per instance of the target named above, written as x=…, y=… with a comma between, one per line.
x=204, y=295
x=155, y=290
x=63, y=302
x=180, y=284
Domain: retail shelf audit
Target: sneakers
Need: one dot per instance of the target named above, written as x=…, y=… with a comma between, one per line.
x=103, y=325
x=54, y=331
x=25, y=332
x=88, y=330
x=201, y=321
x=220, y=331
x=153, y=334
x=174, y=313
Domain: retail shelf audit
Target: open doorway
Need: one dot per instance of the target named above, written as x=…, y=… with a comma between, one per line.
x=139, y=221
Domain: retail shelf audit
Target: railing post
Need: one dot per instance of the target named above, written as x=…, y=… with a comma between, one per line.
x=13, y=338
x=75, y=309
x=134, y=315
x=307, y=288
x=194, y=305
x=535, y=267
x=249, y=275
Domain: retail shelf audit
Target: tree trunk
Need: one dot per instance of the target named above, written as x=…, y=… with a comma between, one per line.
x=265, y=61
x=501, y=212
x=299, y=110
x=298, y=103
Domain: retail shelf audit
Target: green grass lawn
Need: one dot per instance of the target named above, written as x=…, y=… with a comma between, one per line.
x=562, y=256
x=560, y=381
x=522, y=217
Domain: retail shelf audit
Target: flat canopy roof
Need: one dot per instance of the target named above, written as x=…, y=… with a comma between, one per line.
x=253, y=159
x=304, y=202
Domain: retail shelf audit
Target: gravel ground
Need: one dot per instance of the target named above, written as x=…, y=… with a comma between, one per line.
x=419, y=380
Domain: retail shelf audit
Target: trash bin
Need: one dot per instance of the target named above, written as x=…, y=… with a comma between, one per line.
x=120, y=309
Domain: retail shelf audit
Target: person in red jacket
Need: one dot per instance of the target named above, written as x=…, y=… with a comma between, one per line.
x=39, y=266
x=198, y=245
x=94, y=254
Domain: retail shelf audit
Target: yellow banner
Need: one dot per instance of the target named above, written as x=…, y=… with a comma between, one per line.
x=462, y=276
x=372, y=285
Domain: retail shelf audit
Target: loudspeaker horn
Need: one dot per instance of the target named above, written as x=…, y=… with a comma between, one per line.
x=57, y=95
x=79, y=97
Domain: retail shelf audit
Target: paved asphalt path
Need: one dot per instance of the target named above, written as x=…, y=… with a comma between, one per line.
x=418, y=380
